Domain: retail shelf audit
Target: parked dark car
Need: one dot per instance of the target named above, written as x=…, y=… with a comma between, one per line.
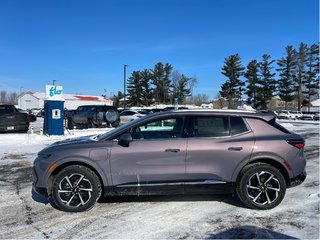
x=93, y=116
x=176, y=152
x=11, y=120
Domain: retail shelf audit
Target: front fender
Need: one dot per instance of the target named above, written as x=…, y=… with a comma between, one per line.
x=99, y=167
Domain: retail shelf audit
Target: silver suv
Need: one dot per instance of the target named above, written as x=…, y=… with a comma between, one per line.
x=175, y=152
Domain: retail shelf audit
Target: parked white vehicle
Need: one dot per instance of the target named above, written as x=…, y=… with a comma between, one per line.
x=296, y=114
x=129, y=115
x=308, y=115
x=285, y=114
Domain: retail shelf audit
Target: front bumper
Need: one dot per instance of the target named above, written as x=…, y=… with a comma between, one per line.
x=298, y=179
x=40, y=191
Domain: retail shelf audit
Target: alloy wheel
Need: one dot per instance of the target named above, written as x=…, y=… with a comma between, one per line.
x=263, y=188
x=75, y=190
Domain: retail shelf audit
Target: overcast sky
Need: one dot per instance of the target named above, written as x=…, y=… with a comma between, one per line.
x=84, y=44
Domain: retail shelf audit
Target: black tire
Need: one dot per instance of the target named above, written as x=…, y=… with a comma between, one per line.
x=90, y=124
x=261, y=186
x=115, y=124
x=84, y=193
x=70, y=124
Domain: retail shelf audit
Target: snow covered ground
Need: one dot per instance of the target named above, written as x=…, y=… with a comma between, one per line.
x=26, y=215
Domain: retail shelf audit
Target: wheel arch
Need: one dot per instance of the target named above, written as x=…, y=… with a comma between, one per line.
x=271, y=162
x=73, y=163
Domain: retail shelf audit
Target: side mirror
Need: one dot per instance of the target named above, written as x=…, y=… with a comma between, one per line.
x=125, y=140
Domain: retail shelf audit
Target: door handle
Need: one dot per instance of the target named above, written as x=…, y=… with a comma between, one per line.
x=173, y=150
x=234, y=148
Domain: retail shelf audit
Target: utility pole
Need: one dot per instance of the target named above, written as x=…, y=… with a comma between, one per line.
x=124, y=84
x=19, y=99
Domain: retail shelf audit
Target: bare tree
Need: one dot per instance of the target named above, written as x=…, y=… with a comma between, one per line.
x=198, y=99
x=3, y=96
x=192, y=84
x=12, y=98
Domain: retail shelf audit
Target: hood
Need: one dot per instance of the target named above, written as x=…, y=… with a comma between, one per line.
x=85, y=139
x=69, y=142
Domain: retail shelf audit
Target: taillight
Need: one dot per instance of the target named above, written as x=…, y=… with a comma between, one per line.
x=296, y=143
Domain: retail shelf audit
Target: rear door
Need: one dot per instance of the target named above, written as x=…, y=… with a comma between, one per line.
x=216, y=145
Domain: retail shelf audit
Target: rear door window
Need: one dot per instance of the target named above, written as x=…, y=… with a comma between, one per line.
x=215, y=126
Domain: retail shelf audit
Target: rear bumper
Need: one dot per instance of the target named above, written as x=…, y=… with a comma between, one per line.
x=14, y=128
x=298, y=179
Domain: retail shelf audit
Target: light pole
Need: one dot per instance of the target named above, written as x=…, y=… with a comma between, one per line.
x=21, y=91
x=124, y=84
x=19, y=99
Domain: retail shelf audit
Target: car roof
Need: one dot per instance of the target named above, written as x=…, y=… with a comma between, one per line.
x=244, y=113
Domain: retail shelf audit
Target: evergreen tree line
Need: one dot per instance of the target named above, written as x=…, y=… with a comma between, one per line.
x=159, y=85
x=297, y=77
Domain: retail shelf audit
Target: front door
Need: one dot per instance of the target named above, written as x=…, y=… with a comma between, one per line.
x=155, y=157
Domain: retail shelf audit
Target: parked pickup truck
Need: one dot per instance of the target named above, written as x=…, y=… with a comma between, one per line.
x=92, y=116
x=11, y=120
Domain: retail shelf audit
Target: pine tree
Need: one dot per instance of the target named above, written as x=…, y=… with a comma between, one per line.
x=311, y=81
x=287, y=72
x=161, y=81
x=135, y=91
x=252, y=79
x=233, y=88
x=301, y=72
x=166, y=83
x=116, y=99
x=266, y=81
x=147, y=91
x=157, y=77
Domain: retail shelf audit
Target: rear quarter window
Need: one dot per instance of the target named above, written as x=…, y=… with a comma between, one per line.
x=238, y=125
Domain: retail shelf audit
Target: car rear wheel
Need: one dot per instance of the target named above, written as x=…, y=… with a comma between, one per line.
x=76, y=189
x=261, y=186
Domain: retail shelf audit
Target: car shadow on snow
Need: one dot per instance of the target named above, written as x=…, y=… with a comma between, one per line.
x=226, y=198
x=249, y=232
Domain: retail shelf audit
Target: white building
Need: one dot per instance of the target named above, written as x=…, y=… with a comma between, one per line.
x=31, y=100
x=314, y=106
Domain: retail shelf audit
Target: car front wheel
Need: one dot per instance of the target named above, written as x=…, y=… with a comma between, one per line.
x=76, y=189
x=261, y=186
